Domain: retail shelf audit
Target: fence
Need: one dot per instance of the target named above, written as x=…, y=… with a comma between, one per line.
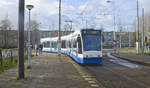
x=8, y=53
x=9, y=58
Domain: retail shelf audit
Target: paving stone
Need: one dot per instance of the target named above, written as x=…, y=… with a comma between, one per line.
x=48, y=71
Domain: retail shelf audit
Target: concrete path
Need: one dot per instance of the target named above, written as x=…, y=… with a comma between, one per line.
x=48, y=71
x=140, y=59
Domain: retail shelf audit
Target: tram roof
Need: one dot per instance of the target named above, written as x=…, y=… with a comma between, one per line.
x=66, y=37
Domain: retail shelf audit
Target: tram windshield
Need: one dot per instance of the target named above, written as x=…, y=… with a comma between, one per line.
x=91, y=40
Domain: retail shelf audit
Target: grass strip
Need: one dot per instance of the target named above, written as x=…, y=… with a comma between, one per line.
x=7, y=63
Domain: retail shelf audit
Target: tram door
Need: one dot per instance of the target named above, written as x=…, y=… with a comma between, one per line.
x=79, y=45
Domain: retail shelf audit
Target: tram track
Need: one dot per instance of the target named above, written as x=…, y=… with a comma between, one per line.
x=99, y=80
x=111, y=75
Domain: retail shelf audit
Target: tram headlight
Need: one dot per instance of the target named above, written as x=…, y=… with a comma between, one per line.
x=100, y=54
x=84, y=55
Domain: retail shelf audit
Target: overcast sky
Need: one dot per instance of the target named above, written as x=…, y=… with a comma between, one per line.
x=84, y=13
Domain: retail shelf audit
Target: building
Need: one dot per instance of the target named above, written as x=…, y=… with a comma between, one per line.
x=9, y=38
x=108, y=38
x=123, y=39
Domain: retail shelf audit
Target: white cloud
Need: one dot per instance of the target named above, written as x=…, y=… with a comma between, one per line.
x=46, y=11
x=145, y=4
x=43, y=7
x=8, y=9
x=5, y=3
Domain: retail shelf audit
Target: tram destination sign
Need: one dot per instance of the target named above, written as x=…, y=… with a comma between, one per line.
x=91, y=32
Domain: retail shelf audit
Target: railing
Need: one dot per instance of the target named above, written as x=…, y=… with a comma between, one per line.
x=8, y=53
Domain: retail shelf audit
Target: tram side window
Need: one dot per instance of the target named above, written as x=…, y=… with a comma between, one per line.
x=52, y=45
x=74, y=44
x=79, y=45
x=55, y=45
x=67, y=44
x=63, y=45
x=70, y=46
x=43, y=44
x=47, y=44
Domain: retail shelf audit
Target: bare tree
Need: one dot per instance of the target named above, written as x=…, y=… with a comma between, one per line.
x=5, y=26
x=35, y=34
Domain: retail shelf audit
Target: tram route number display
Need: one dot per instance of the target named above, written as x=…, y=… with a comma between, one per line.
x=91, y=32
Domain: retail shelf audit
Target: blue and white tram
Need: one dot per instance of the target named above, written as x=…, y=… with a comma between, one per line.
x=84, y=46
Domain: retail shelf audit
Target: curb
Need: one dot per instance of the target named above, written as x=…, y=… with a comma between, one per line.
x=133, y=61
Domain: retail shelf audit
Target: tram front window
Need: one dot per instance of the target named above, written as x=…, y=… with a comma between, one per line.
x=92, y=41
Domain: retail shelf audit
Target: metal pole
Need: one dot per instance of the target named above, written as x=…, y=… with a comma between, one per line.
x=29, y=45
x=59, y=32
x=21, y=39
x=143, y=31
x=120, y=41
x=129, y=40
x=138, y=41
x=114, y=27
x=113, y=3
x=114, y=33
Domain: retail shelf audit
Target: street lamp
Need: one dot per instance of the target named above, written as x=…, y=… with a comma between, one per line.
x=143, y=36
x=29, y=7
x=114, y=26
x=114, y=20
x=108, y=1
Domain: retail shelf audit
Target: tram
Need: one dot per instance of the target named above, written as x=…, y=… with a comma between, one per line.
x=84, y=46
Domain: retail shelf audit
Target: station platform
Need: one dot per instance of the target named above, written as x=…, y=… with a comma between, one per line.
x=48, y=71
x=132, y=57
